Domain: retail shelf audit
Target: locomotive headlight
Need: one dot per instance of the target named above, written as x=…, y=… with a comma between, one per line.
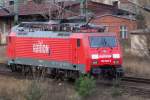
x=94, y=56
x=95, y=62
x=116, y=62
x=116, y=55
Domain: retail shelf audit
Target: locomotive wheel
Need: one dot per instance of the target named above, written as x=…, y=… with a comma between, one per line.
x=52, y=73
x=43, y=72
x=38, y=72
x=13, y=68
x=23, y=71
x=60, y=75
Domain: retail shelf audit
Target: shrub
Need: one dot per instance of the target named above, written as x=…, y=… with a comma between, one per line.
x=85, y=85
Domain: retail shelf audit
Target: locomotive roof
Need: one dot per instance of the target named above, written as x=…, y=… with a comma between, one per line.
x=19, y=32
x=54, y=28
x=50, y=34
x=46, y=34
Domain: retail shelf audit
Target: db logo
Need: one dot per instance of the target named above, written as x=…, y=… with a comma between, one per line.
x=40, y=47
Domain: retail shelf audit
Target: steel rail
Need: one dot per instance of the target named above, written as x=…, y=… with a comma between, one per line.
x=135, y=79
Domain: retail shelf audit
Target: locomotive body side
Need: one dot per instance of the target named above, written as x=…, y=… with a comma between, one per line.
x=11, y=46
x=46, y=50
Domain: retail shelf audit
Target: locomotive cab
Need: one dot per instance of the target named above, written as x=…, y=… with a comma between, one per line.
x=106, y=56
x=100, y=53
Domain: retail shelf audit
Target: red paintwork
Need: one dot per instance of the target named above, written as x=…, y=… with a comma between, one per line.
x=63, y=49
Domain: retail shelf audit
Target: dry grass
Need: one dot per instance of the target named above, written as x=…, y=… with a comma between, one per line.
x=137, y=66
x=12, y=89
x=16, y=89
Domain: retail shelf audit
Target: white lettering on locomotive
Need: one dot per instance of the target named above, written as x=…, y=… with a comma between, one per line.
x=40, y=47
x=105, y=61
x=104, y=56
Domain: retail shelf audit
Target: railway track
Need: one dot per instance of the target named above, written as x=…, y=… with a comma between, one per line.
x=137, y=80
x=136, y=86
x=4, y=69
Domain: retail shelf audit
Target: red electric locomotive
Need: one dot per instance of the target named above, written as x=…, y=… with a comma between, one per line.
x=63, y=49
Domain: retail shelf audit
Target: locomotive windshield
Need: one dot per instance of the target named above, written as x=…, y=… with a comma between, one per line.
x=102, y=41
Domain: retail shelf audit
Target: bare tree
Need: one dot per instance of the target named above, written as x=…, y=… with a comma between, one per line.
x=141, y=24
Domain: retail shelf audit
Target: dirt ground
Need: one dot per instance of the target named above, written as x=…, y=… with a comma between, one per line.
x=136, y=66
x=12, y=88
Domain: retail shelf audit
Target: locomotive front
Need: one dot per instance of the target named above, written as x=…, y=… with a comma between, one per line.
x=106, y=55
